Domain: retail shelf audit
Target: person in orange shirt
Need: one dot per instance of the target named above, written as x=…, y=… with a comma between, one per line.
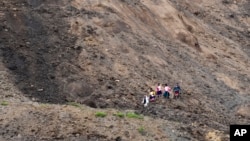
x=151, y=95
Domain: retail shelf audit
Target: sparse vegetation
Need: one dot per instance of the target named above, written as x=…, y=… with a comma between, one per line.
x=120, y=114
x=141, y=130
x=44, y=105
x=74, y=104
x=134, y=115
x=101, y=114
x=4, y=103
x=80, y=70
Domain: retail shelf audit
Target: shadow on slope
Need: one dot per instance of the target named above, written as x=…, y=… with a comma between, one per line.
x=35, y=45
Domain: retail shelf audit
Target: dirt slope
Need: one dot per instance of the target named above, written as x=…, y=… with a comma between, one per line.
x=107, y=53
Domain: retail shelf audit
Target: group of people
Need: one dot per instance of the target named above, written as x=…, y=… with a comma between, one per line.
x=154, y=94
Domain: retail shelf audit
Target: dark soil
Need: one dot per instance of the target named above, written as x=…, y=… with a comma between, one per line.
x=107, y=55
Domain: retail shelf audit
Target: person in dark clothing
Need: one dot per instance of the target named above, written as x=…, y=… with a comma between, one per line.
x=151, y=95
x=177, y=90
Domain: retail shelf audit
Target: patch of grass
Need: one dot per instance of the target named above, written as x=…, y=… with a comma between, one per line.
x=74, y=104
x=141, y=130
x=119, y=114
x=100, y=114
x=4, y=103
x=134, y=115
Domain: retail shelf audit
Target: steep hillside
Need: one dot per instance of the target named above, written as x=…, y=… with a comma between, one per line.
x=107, y=53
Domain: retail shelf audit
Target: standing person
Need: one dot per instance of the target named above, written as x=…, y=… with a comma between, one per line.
x=158, y=90
x=177, y=90
x=151, y=95
x=167, y=91
x=145, y=101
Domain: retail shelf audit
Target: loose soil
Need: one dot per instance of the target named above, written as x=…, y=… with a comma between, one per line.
x=106, y=54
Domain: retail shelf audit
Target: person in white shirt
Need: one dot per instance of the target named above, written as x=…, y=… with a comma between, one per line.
x=158, y=90
x=167, y=90
x=145, y=101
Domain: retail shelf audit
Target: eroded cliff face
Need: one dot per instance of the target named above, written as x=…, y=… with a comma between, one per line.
x=107, y=53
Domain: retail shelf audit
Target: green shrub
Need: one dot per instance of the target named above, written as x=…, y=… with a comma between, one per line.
x=4, y=103
x=134, y=115
x=142, y=131
x=119, y=114
x=100, y=114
